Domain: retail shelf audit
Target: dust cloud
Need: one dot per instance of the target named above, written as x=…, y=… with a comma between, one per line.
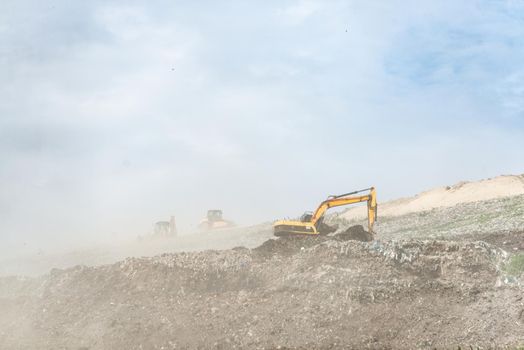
x=117, y=116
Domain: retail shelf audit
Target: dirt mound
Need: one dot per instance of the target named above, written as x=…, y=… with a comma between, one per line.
x=290, y=293
x=355, y=233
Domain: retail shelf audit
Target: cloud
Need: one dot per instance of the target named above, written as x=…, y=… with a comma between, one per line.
x=114, y=116
x=298, y=12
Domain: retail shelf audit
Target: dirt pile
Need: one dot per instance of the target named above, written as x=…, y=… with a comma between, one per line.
x=355, y=233
x=288, y=293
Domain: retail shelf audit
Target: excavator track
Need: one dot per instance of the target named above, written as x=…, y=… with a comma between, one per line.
x=290, y=230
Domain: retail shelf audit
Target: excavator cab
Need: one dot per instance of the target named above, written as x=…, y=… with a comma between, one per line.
x=306, y=217
x=312, y=223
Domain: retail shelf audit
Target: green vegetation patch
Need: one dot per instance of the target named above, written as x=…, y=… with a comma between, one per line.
x=515, y=266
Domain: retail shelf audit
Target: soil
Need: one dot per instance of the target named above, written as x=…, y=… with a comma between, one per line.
x=292, y=293
x=356, y=233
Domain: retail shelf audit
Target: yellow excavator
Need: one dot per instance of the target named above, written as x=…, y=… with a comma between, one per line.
x=312, y=223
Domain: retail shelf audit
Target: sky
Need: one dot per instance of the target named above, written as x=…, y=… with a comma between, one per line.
x=117, y=114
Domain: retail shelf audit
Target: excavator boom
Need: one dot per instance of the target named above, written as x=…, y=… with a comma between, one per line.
x=310, y=224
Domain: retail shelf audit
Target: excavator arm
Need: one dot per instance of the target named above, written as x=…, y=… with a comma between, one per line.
x=285, y=227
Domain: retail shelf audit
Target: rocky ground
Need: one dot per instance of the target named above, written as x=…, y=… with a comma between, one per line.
x=442, y=278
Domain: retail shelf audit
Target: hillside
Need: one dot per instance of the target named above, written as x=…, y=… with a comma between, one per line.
x=442, y=277
x=448, y=196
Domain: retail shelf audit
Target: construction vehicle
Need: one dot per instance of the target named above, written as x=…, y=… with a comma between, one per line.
x=165, y=228
x=313, y=223
x=214, y=220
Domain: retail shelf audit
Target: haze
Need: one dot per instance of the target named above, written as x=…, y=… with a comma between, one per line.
x=114, y=116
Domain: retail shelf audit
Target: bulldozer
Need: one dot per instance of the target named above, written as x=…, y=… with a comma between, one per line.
x=312, y=223
x=214, y=220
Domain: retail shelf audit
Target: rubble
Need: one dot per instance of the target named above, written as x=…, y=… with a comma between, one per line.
x=292, y=293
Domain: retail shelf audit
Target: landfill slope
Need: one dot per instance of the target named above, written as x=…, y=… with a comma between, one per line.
x=301, y=293
x=464, y=192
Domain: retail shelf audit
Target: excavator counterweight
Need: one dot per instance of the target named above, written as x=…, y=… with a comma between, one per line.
x=312, y=224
